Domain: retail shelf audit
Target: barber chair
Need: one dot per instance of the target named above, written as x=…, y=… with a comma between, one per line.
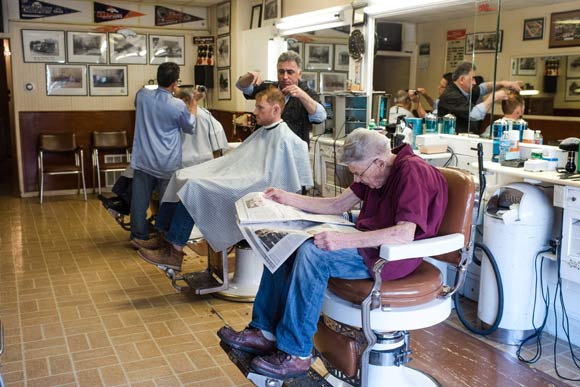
x=363, y=337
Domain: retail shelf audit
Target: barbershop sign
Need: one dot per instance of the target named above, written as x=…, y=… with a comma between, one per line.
x=455, y=48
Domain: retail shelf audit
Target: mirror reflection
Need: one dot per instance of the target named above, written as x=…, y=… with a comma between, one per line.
x=551, y=83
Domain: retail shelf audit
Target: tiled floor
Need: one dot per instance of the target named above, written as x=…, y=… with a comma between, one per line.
x=80, y=308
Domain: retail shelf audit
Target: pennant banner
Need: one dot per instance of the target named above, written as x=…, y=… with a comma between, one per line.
x=166, y=16
x=105, y=13
x=38, y=9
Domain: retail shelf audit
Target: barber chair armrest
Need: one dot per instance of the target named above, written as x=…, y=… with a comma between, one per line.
x=423, y=248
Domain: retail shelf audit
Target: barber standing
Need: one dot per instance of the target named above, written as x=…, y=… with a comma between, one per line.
x=456, y=98
x=159, y=120
x=303, y=106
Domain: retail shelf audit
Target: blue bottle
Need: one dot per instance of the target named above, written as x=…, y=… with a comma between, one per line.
x=499, y=126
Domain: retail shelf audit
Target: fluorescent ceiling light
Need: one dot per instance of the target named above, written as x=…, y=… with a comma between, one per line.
x=311, y=21
x=529, y=92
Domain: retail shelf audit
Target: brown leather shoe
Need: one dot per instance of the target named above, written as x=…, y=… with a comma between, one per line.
x=168, y=257
x=281, y=365
x=150, y=244
x=249, y=340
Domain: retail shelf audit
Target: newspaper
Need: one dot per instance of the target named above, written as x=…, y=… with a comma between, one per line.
x=275, y=230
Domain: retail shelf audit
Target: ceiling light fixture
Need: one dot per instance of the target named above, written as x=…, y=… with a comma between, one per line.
x=312, y=21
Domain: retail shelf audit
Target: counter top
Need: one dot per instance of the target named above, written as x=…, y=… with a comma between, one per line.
x=552, y=177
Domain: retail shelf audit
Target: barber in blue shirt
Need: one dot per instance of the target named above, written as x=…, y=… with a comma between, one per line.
x=159, y=120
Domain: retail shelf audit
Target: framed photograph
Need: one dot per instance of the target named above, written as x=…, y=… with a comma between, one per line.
x=164, y=48
x=482, y=42
x=330, y=82
x=573, y=66
x=43, y=46
x=318, y=56
x=223, y=15
x=296, y=46
x=534, y=29
x=341, y=57
x=311, y=79
x=224, y=84
x=256, y=18
x=223, y=51
x=66, y=79
x=565, y=29
x=527, y=66
x=86, y=47
x=108, y=80
x=272, y=10
x=128, y=50
x=359, y=17
x=572, y=89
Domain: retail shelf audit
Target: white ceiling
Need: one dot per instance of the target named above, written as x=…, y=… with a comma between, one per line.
x=466, y=9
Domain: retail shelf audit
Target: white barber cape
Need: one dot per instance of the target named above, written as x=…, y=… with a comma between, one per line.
x=274, y=157
x=208, y=136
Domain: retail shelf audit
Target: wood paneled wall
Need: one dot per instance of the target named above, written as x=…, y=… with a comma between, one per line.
x=82, y=123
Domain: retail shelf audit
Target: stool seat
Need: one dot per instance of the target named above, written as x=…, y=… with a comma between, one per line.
x=419, y=287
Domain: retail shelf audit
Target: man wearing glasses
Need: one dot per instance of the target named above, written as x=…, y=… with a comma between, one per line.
x=403, y=199
x=303, y=106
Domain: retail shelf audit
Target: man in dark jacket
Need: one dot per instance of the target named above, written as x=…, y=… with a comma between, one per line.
x=456, y=98
x=303, y=106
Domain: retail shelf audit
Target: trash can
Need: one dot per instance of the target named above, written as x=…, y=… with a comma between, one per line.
x=517, y=225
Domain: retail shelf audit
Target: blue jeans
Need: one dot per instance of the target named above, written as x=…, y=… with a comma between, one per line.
x=142, y=188
x=175, y=222
x=289, y=301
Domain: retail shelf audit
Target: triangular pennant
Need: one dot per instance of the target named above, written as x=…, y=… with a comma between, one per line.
x=105, y=13
x=166, y=16
x=35, y=9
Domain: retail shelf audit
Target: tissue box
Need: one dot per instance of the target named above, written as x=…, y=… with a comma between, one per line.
x=430, y=143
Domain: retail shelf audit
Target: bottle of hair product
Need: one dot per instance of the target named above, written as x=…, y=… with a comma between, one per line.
x=528, y=136
x=504, y=146
x=538, y=138
x=372, y=124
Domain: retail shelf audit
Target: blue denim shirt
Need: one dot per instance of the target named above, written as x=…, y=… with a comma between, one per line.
x=159, y=120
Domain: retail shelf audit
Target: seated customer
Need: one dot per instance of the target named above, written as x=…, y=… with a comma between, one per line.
x=208, y=136
x=404, y=101
x=513, y=109
x=205, y=194
x=403, y=199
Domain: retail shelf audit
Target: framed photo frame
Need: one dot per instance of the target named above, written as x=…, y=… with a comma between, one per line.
x=318, y=56
x=223, y=16
x=296, y=46
x=86, y=47
x=341, y=57
x=127, y=49
x=359, y=17
x=311, y=79
x=223, y=51
x=572, y=90
x=271, y=10
x=564, y=29
x=108, y=80
x=331, y=82
x=166, y=48
x=527, y=66
x=43, y=46
x=533, y=29
x=224, y=84
x=483, y=42
x=573, y=66
x=256, y=17
x=66, y=79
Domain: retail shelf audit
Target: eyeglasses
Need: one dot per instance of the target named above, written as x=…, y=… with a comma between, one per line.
x=289, y=72
x=360, y=175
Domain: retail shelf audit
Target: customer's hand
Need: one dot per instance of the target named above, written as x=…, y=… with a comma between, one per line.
x=330, y=240
x=277, y=195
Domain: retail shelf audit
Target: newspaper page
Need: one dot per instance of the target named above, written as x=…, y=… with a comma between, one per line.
x=275, y=231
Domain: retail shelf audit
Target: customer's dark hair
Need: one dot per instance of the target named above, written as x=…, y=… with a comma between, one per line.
x=461, y=70
x=167, y=73
x=448, y=77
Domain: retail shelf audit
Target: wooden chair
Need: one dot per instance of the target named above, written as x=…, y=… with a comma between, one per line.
x=62, y=147
x=112, y=143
